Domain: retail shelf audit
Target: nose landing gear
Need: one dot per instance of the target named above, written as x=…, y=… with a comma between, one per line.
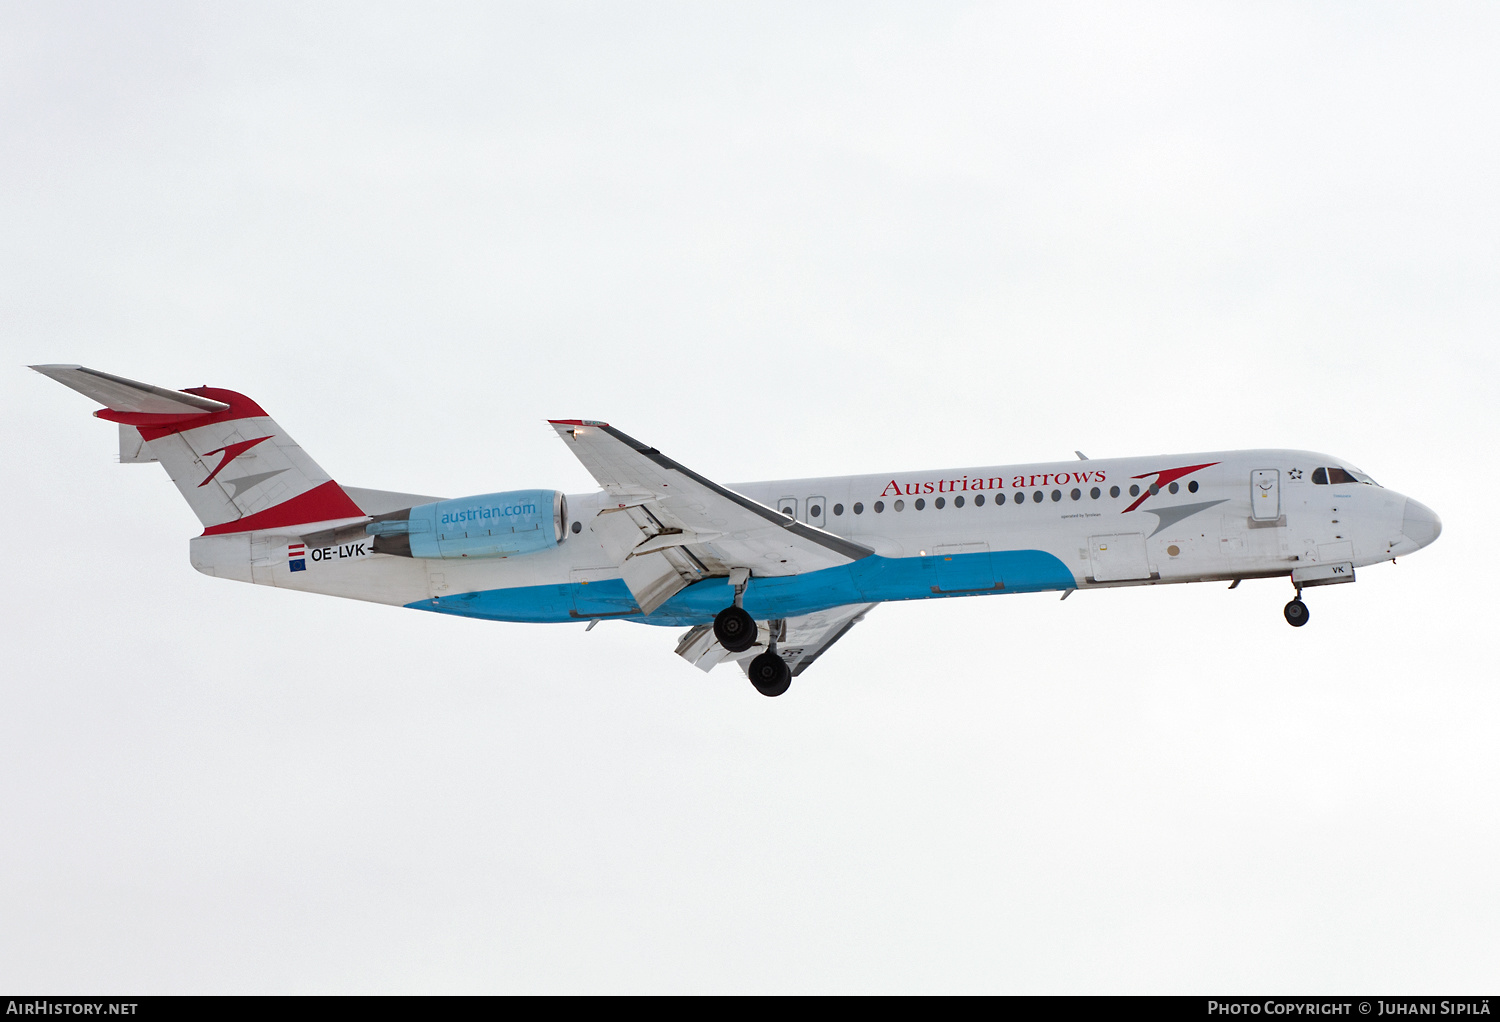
x=1296, y=612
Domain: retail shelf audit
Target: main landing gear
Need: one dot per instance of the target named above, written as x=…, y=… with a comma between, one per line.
x=770, y=674
x=737, y=631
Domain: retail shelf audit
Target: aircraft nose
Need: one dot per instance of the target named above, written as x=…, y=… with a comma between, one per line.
x=1420, y=525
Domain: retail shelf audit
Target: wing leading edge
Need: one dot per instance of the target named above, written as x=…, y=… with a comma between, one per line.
x=671, y=526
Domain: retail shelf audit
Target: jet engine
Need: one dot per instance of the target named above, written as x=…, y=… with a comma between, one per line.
x=489, y=525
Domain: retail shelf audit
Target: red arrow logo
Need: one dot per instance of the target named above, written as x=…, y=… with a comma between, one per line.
x=1162, y=479
x=231, y=452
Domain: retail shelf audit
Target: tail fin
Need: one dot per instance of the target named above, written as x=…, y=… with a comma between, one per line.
x=237, y=469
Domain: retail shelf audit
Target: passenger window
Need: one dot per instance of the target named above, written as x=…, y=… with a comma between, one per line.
x=1076, y=494
x=1094, y=493
x=1135, y=491
x=900, y=505
x=879, y=506
x=940, y=502
x=1172, y=488
x=958, y=502
x=979, y=500
x=1020, y=498
x=919, y=505
x=999, y=499
x=1114, y=491
x=859, y=509
x=838, y=510
x=1056, y=496
x=1037, y=496
x=1193, y=486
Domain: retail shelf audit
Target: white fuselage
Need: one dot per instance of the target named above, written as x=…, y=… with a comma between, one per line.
x=1076, y=524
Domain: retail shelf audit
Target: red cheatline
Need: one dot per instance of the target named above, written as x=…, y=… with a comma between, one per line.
x=320, y=504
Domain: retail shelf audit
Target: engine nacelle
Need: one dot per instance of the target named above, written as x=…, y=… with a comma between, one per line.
x=489, y=525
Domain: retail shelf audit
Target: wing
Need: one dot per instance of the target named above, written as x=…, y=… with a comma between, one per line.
x=800, y=640
x=670, y=526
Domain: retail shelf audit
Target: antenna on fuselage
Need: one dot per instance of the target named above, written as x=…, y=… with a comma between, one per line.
x=1081, y=456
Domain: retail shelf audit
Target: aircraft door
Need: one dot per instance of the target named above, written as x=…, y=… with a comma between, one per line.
x=787, y=506
x=1265, y=495
x=961, y=568
x=817, y=511
x=1119, y=558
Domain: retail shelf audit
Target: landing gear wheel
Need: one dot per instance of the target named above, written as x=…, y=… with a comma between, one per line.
x=770, y=675
x=1296, y=613
x=735, y=629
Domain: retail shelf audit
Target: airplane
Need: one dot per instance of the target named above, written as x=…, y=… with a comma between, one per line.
x=768, y=575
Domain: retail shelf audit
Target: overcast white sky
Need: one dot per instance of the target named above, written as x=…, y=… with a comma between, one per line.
x=774, y=241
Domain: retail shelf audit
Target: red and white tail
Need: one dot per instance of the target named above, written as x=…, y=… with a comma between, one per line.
x=236, y=467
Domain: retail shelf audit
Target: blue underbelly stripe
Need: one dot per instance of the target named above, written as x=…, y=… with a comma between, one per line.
x=870, y=580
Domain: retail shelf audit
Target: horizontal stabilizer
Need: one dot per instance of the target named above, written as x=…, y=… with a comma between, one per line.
x=121, y=395
x=232, y=463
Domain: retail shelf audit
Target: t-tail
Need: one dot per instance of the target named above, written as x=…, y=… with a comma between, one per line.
x=237, y=469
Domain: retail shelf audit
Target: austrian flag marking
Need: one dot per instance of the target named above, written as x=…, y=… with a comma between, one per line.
x=296, y=556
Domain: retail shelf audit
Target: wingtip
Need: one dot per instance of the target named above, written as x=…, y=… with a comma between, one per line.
x=576, y=422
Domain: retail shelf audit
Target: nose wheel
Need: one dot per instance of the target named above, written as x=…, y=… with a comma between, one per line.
x=1296, y=612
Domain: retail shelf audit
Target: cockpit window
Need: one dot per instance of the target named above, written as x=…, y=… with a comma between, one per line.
x=1332, y=475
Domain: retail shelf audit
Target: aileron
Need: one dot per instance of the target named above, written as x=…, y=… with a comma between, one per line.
x=663, y=506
